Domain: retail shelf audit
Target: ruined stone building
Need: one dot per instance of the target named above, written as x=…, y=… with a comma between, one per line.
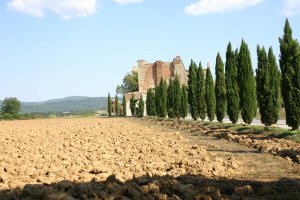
x=150, y=74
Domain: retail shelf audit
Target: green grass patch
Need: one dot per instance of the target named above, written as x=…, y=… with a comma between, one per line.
x=251, y=129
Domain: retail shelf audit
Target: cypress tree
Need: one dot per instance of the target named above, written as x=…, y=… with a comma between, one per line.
x=210, y=95
x=192, y=90
x=290, y=72
x=177, y=97
x=109, y=105
x=153, y=108
x=201, y=93
x=132, y=105
x=141, y=107
x=268, y=86
x=275, y=97
x=124, y=106
x=262, y=82
x=117, y=106
x=220, y=89
x=246, y=84
x=150, y=103
x=232, y=88
x=158, y=104
x=171, y=99
x=184, y=102
x=164, y=111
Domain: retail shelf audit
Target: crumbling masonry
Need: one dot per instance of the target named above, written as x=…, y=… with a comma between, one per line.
x=150, y=75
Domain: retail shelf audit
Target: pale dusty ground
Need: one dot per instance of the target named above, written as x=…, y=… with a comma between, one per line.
x=48, y=151
x=51, y=150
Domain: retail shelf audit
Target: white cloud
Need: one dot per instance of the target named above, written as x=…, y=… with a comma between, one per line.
x=291, y=7
x=67, y=9
x=123, y=2
x=204, y=7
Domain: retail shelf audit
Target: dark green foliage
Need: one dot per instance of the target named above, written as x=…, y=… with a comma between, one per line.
x=201, y=93
x=11, y=106
x=275, y=99
x=130, y=83
x=177, y=96
x=247, y=89
x=232, y=88
x=158, y=106
x=150, y=103
x=290, y=72
x=164, y=99
x=174, y=98
x=141, y=107
x=109, y=107
x=161, y=99
x=192, y=90
x=210, y=95
x=184, y=102
x=220, y=89
x=268, y=84
x=117, y=105
x=132, y=105
x=171, y=99
x=124, y=106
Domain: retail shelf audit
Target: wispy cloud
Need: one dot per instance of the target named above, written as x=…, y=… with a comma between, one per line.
x=67, y=9
x=291, y=7
x=204, y=7
x=123, y=2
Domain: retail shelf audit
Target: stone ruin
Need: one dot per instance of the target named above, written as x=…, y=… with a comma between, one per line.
x=150, y=75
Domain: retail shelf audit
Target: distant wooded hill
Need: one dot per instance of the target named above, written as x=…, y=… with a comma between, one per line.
x=67, y=104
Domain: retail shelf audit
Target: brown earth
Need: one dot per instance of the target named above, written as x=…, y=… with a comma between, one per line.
x=125, y=158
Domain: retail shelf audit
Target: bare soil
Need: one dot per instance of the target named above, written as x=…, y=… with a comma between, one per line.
x=126, y=158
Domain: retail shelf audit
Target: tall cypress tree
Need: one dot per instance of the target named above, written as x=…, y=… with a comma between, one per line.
x=184, y=102
x=262, y=82
x=117, y=106
x=158, y=104
x=268, y=86
x=132, y=105
x=210, y=95
x=153, y=106
x=220, y=89
x=141, y=106
x=124, y=106
x=177, y=96
x=171, y=99
x=246, y=84
x=150, y=103
x=192, y=90
x=232, y=88
x=290, y=72
x=109, y=105
x=201, y=93
x=164, y=99
x=275, y=97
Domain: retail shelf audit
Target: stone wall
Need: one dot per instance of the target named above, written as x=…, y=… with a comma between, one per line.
x=150, y=75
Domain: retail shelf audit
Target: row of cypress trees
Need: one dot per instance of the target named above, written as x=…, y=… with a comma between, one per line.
x=167, y=99
x=236, y=90
x=239, y=92
x=118, y=110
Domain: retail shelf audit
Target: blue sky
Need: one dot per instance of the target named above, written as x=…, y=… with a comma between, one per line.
x=57, y=48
